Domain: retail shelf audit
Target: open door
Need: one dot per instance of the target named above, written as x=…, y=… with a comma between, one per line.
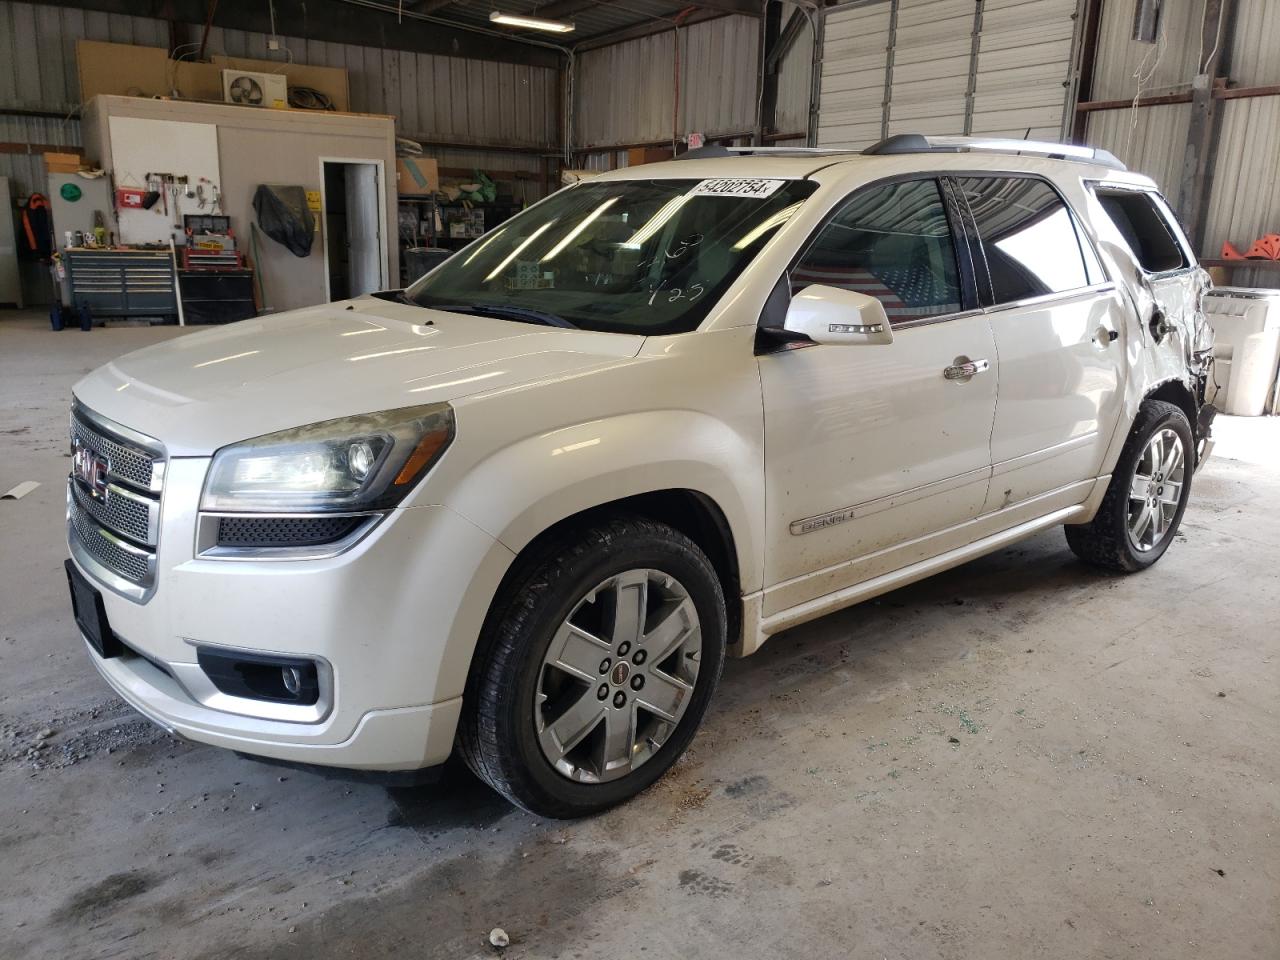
x=354, y=208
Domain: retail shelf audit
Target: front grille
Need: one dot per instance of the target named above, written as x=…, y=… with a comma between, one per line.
x=122, y=513
x=250, y=531
x=132, y=563
x=115, y=534
x=131, y=463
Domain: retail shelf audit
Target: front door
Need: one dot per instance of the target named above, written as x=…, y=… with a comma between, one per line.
x=869, y=447
x=1058, y=331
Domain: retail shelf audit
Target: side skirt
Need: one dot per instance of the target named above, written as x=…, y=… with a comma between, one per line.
x=757, y=627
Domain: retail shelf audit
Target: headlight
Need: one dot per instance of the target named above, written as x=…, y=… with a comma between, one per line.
x=367, y=462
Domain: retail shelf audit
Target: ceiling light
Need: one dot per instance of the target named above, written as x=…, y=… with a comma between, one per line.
x=531, y=23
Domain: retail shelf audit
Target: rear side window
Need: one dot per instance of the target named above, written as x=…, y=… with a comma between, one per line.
x=1145, y=228
x=892, y=242
x=1028, y=237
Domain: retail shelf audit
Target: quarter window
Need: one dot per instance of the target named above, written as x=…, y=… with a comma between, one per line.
x=892, y=242
x=1145, y=229
x=1028, y=237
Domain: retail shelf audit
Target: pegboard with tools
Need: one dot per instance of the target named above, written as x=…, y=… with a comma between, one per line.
x=163, y=171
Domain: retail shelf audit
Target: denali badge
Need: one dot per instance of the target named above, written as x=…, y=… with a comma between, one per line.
x=91, y=470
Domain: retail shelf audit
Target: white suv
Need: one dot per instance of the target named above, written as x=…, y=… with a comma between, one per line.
x=527, y=506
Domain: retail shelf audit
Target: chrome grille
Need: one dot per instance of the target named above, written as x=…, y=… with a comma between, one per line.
x=113, y=508
x=133, y=563
x=128, y=514
x=130, y=463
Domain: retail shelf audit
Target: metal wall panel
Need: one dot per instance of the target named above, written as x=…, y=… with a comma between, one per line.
x=795, y=81
x=26, y=171
x=625, y=93
x=932, y=51
x=1025, y=64
x=1255, y=56
x=1166, y=66
x=443, y=98
x=1150, y=140
x=855, y=52
x=1245, y=199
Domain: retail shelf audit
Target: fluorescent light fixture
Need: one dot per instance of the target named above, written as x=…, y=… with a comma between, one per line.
x=530, y=23
x=582, y=225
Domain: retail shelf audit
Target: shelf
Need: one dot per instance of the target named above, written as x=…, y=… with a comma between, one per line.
x=1241, y=264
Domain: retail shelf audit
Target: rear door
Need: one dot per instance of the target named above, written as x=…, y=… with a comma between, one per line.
x=1058, y=325
x=1163, y=256
x=869, y=446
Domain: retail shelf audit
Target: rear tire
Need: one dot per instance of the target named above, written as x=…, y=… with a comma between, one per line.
x=595, y=668
x=1147, y=496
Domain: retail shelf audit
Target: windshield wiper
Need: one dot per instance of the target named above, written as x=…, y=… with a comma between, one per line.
x=504, y=311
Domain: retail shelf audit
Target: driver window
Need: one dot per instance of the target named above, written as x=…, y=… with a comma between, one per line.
x=892, y=242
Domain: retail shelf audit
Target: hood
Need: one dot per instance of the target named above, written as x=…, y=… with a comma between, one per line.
x=202, y=391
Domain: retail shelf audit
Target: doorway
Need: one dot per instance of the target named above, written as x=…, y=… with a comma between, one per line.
x=353, y=204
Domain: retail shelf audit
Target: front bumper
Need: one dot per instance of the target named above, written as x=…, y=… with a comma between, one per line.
x=394, y=620
x=401, y=738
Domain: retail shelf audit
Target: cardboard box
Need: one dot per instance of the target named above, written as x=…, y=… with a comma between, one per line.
x=417, y=176
x=62, y=162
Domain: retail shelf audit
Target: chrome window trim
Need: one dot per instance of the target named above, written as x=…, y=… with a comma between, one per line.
x=929, y=321
x=1051, y=298
x=207, y=548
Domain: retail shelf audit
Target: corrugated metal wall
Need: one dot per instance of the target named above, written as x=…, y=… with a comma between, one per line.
x=625, y=93
x=1025, y=65
x=995, y=67
x=851, y=99
x=1244, y=199
x=795, y=81
x=441, y=98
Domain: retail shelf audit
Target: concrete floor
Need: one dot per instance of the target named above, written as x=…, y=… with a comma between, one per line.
x=1021, y=758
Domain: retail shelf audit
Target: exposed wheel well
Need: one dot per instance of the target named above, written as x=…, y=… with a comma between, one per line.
x=1172, y=391
x=694, y=514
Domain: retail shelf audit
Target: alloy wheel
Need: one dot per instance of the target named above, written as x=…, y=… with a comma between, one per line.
x=617, y=676
x=1156, y=489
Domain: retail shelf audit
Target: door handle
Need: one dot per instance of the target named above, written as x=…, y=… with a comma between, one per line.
x=964, y=369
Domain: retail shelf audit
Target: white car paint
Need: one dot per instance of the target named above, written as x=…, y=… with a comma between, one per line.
x=842, y=471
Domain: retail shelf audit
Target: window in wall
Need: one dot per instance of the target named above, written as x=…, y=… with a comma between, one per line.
x=1145, y=228
x=891, y=242
x=1028, y=237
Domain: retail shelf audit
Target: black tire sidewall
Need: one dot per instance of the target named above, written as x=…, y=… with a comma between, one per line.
x=527, y=768
x=1173, y=418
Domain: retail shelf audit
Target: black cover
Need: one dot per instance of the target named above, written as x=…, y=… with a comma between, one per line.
x=283, y=216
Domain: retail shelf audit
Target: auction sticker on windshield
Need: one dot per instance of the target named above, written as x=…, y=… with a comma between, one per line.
x=736, y=187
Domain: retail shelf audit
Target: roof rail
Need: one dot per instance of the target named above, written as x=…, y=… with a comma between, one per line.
x=920, y=143
x=715, y=150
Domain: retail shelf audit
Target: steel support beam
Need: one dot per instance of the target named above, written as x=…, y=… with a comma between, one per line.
x=767, y=80
x=1216, y=37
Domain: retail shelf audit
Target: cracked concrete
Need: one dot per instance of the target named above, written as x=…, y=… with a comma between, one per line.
x=1019, y=758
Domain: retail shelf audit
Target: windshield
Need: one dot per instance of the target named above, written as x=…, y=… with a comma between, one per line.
x=630, y=256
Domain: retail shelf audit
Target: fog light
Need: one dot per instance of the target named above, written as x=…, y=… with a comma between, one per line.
x=258, y=676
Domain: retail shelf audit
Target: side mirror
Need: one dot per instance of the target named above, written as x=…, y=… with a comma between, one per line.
x=831, y=315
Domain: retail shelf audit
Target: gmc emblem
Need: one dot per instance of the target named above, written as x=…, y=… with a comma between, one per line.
x=91, y=470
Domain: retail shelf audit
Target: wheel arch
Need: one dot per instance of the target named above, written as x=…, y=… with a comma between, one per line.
x=691, y=512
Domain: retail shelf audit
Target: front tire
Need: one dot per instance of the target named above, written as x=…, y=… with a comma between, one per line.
x=1147, y=495
x=595, y=668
